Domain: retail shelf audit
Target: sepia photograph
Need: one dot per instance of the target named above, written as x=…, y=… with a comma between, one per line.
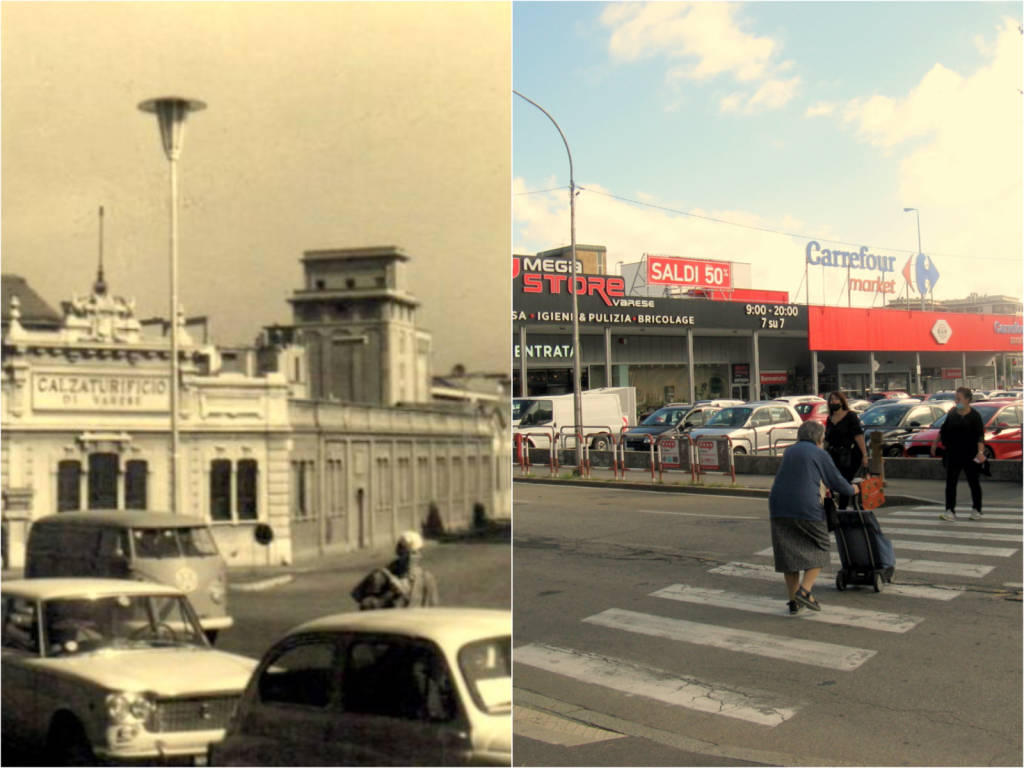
x=256, y=446
x=767, y=279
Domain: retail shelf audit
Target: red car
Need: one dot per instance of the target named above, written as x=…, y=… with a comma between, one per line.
x=1003, y=437
x=812, y=411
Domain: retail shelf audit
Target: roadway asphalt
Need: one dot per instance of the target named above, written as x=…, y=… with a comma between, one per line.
x=650, y=628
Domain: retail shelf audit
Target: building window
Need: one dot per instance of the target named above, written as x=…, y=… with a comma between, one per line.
x=69, y=486
x=103, y=481
x=135, y=477
x=302, y=490
x=246, y=489
x=220, y=489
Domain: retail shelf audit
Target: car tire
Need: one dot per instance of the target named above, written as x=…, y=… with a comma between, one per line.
x=599, y=444
x=989, y=453
x=67, y=744
x=894, y=451
x=737, y=451
x=211, y=635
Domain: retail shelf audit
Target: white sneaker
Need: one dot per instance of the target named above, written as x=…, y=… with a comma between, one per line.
x=949, y=515
x=975, y=514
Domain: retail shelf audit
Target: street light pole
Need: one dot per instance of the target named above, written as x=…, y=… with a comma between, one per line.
x=171, y=112
x=577, y=400
x=917, y=213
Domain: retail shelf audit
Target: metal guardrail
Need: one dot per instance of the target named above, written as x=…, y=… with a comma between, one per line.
x=524, y=451
x=772, y=446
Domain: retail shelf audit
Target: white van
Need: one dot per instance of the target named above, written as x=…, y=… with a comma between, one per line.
x=602, y=413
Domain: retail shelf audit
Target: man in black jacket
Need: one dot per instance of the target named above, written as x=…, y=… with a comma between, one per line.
x=963, y=436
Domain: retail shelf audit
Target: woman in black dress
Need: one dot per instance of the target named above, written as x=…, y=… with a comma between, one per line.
x=844, y=440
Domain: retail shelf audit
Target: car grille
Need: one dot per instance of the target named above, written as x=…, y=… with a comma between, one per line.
x=198, y=714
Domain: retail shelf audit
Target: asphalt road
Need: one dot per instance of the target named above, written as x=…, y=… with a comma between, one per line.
x=713, y=670
x=470, y=572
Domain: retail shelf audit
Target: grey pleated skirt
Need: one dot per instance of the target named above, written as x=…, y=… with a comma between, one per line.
x=800, y=544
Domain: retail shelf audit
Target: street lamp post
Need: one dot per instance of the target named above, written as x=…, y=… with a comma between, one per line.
x=577, y=400
x=917, y=213
x=171, y=112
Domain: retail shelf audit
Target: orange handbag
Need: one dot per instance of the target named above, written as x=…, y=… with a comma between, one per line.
x=871, y=494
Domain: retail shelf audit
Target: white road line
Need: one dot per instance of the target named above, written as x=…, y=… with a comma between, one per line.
x=957, y=549
x=962, y=570
x=1013, y=584
x=834, y=614
x=694, y=514
x=657, y=684
x=961, y=523
x=551, y=729
x=758, y=499
x=767, y=573
x=936, y=511
x=798, y=650
x=956, y=533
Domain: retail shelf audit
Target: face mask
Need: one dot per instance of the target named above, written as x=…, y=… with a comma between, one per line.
x=961, y=406
x=833, y=407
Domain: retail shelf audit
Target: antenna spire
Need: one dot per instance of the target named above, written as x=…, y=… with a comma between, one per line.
x=100, y=286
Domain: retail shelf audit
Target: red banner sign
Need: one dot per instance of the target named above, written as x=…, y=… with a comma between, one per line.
x=952, y=373
x=897, y=330
x=670, y=270
x=774, y=377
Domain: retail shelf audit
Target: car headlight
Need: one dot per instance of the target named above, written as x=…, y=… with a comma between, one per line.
x=122, y=707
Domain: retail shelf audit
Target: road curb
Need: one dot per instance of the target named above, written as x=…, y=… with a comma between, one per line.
x=894, y=500
x=258, y=586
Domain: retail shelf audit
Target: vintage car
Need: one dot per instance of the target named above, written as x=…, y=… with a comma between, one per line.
x=112, y=671
x=423, y=686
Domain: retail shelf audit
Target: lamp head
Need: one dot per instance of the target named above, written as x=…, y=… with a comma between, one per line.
x=908, y=210
x=171, y=112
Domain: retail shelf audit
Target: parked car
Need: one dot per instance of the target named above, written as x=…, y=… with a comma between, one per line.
x=895, y=394
x=897, y=419
x=111, y=670
x=859, y=406
x=674, y=419
x=756, y=427
x=127, y=544
x=813, y=411
x=602, y=416
x=1003, y=394
x=1002, y=420
x=423, y=686
x=797, y=399
x=944, y=395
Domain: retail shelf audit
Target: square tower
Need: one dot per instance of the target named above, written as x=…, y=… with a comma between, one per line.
x=357, y=323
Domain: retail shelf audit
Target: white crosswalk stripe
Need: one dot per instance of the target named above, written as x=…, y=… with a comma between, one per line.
x=551, y=729
x=961, y=570
x=966, y=523
x=987, y=509
x=657, y=684
x=955, y=533
x=836, y=614
x=958, y=549
x=935, y=512
x=799, y=650
x=767, y=573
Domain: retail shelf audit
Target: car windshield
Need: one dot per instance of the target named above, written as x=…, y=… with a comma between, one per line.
x=884, y=417
x=986, y=412
x=664, y=417
x=487, y=667
x=83, y=625
x=535, y=412
x=517, y=408
x=157, y=543
x=804, y=408
x=730, y=417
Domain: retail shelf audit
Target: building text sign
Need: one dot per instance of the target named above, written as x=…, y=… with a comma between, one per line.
x=59, y=391
x=672, y=270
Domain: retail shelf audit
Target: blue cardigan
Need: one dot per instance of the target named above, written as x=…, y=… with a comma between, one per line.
x=796, y=492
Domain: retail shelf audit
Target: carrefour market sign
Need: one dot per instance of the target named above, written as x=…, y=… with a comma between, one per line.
x=861, y=259
x=99, y=392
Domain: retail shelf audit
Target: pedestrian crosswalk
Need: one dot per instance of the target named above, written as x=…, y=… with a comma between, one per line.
x=844, y=643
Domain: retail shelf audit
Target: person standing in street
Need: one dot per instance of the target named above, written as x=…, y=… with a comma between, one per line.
x=404, y=583
x=963, y=436
x=844, y=440
x=800, y=539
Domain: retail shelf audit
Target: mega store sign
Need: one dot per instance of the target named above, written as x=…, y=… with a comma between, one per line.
x=897, y=330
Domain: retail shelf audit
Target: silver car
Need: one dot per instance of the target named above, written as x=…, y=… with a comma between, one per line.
x=759, y=427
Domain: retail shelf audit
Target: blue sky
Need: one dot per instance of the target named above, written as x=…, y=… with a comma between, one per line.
x=866, y=108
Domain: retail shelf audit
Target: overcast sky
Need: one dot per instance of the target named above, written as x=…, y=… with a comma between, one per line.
x=328, y=125
x=819, y=119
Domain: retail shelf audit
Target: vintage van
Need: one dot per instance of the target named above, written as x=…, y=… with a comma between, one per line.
x=127, y=544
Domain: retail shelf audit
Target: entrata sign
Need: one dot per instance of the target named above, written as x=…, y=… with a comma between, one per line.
x=671, y=270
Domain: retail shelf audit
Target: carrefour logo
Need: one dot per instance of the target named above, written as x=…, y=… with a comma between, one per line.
x=1015, y=328
x=941, y=331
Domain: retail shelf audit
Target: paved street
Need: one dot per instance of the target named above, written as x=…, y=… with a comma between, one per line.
x=470, y=572
x=650, y=628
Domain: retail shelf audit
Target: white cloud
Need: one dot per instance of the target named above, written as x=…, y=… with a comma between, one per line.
x=821, y=109
x=957, y=140
x=703, y=40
